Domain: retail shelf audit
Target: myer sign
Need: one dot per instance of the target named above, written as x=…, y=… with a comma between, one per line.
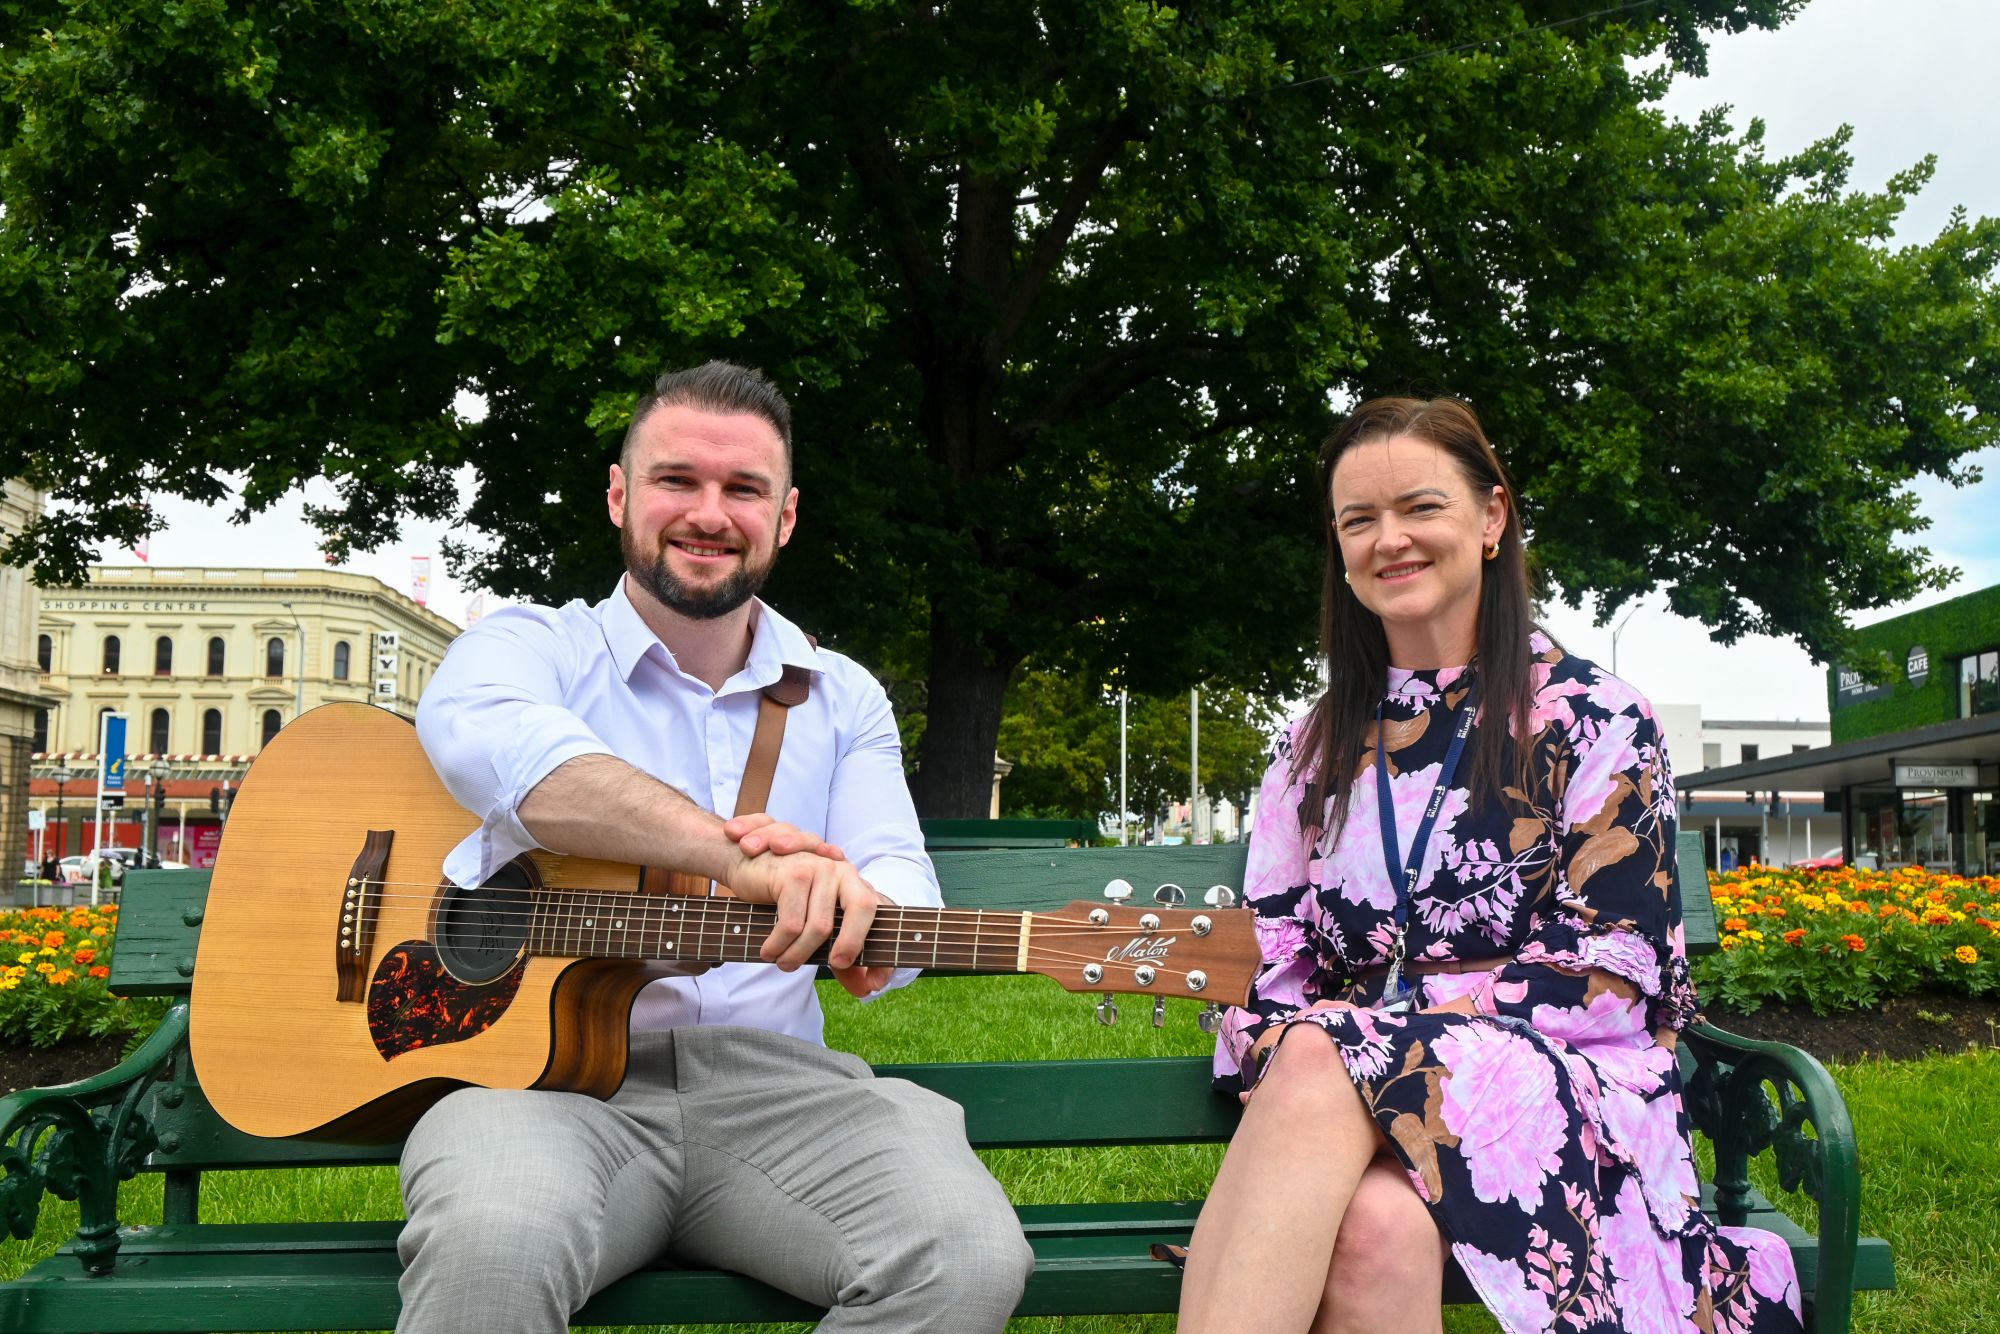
x=1937, y=775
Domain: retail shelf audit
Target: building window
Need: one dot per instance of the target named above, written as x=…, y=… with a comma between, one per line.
x=340, y=659
x=111, y=655
x=45, y=652
x=163, y=656
x=211, y=732
x=1711, y=754
x=1979, y=683
x=1796, y=748
x=272, y=722
x=157, y=739
x=274, y=656
x=215, y=656
x=41, y=731
x=1749, y=753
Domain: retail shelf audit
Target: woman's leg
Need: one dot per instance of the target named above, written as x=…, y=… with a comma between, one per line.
x=1388, y=1261
x=1260, y=1252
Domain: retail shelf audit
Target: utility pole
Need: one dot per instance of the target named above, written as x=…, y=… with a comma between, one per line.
x=1195, y=822
x=1123, y=823
x=299, y=695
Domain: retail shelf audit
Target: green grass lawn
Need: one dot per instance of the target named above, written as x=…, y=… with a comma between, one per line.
x=1928, y=1134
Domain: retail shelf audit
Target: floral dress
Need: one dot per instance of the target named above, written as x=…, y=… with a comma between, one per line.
x=1546, y=1132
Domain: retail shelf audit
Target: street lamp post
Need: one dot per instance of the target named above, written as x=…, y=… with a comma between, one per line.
x=1614, y=638
x=299, y=694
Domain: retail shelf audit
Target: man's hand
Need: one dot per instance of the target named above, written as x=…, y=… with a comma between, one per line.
x=807, y=890
x=759, y=833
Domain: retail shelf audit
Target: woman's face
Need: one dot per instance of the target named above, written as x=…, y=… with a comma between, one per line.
x=1413, y=534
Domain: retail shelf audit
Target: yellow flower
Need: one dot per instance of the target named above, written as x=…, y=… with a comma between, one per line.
x=1965, y=954
x=9, y=983
x=27, y=956
x=45, y=968
x=1753, y=935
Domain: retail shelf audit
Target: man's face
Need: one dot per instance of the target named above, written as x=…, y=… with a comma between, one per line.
x=704, y=508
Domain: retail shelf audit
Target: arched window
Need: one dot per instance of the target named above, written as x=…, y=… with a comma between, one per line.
x=156, y=734
x=215, y=656
x=211, y=732
x=340, y=656
x=45, y=652
x=42, y=731
x=111, y=654
x=274, y=656
x=272, y=722
x=163, y=656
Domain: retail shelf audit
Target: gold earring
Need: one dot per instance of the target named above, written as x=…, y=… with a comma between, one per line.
x=1493, y=551
x=1346, y=578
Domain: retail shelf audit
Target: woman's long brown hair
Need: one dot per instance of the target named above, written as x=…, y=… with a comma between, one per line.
x=1351, y=636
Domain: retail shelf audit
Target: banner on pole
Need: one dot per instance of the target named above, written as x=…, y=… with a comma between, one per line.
x=113, y=775
x=420, y=580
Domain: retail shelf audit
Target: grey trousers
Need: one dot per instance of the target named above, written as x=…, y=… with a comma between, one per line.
x=733, y=1148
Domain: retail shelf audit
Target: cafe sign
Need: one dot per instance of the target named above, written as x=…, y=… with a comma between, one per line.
x=1917, y=666
x=1937, y=775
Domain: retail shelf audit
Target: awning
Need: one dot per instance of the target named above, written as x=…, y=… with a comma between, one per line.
x=1869, y=760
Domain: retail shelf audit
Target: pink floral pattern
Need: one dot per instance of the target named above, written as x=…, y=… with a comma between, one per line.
x=1545, y=1131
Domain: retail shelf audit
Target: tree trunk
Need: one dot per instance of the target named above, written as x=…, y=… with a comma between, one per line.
x=961, y=725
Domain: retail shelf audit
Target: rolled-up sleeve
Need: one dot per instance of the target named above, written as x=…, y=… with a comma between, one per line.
x=494, y=727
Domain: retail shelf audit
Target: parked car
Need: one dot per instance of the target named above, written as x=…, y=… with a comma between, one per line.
x=1826, y=861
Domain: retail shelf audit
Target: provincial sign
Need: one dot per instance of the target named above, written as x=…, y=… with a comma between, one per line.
x=1937, y=775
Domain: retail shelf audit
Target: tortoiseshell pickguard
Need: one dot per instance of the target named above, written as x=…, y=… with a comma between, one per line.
x=414, y=1002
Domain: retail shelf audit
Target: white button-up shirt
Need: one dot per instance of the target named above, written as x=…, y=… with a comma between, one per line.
x=529, y=688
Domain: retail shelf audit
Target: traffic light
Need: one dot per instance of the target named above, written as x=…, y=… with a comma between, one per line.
x=215, y=801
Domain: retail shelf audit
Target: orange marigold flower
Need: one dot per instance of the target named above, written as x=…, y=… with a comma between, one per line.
x=85, y=955
x=1965, y=954
x=1937, y=917
x=1735, y=924
x=54, y=939
x=1795, y=935
x=1854, y=943
x=61, y=977
x=100, y=971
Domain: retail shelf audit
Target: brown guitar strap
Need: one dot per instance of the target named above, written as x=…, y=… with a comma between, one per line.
x=760, y=770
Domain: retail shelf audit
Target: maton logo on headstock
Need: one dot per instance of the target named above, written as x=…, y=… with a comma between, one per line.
x=1149, y=948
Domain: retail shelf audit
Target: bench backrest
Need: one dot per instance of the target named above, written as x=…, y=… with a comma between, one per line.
x=160, y=916
x=1009, y=1104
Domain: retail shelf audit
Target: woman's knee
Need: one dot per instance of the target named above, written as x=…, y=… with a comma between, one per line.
x=1305, y=1072
x=1388, y=1249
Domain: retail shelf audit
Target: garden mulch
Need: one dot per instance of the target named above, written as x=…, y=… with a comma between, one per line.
x=1902, y=1029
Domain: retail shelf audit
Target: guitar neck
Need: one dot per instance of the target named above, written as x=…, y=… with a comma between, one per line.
x=719, y=930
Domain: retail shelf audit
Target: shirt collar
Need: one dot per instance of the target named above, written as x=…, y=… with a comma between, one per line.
x=775, y=643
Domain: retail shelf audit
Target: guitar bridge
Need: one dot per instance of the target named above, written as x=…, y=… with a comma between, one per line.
x=360, y=905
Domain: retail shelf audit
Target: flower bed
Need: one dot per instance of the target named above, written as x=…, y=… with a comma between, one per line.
x=54, y=963
x=1848, y=939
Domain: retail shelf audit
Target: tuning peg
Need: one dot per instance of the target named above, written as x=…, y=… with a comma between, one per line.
x=1219, y=896
x=1171, y=896
x=1159, y=1012
x=1211, y=1019
x=1118, y=891
x=1107, y=1011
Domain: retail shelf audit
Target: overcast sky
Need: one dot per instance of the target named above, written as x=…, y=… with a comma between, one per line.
x=1911, y=76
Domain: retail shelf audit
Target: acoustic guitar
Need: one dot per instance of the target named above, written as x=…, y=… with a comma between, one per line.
x=343, y=985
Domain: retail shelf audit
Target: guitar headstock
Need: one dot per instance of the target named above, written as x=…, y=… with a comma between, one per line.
x=1208, y=954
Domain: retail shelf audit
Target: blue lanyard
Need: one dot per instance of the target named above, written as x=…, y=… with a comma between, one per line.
x=1403, y=875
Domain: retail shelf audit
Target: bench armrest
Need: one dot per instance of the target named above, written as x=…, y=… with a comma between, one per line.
x=79, y=1140
x=1748, y=1096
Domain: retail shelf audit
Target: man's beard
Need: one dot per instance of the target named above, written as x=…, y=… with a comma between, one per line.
x=674, y=593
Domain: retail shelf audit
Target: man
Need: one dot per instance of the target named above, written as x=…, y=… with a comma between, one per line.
x=738, y=1140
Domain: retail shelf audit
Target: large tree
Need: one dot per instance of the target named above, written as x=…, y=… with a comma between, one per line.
x=1064, y=294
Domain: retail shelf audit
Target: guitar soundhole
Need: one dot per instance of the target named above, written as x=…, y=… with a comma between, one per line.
x=480, y=933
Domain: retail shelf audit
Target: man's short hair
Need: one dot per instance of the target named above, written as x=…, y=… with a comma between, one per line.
x=715, y=386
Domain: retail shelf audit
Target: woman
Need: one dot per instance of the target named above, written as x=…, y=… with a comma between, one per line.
x=1463, y=1036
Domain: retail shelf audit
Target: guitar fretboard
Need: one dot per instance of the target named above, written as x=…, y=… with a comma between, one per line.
x=705, y=930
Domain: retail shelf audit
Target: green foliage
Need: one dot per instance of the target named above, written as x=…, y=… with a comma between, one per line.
x=1950, y=630
x=1064, y=302
x=1061, y=734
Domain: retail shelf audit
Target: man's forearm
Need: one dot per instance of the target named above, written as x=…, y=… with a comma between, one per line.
x=599, y=806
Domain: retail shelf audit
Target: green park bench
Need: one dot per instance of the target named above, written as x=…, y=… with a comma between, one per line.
x=149, y=1115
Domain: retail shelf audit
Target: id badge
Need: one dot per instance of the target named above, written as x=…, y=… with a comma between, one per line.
x=1397, y=995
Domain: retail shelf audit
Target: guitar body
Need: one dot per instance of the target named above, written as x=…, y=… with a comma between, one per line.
x=279, y=1050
